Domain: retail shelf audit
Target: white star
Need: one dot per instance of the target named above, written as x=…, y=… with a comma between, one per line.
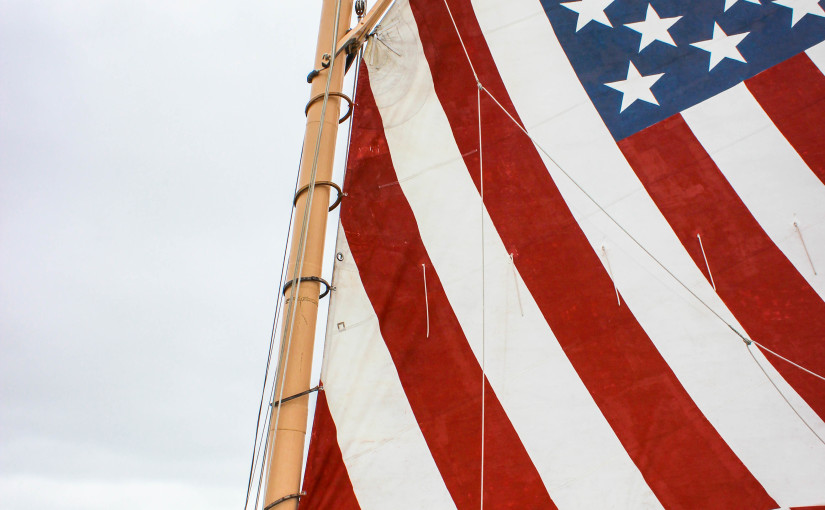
x=730, y=3
x=653, y=28
x=635, y=87
x=589, y=10
x=800, y=8
x=722, y=46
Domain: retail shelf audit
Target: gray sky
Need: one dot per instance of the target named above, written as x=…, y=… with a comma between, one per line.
x=148, y=152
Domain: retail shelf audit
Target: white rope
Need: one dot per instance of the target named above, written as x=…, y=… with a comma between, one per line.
x=426, y=299
x=466, y=53
x=291, y=311
x=786, y=360
x=515, y=281
x=699, y=237
x=805, y=247
x=483, y=289
x=263, y=433
x=804, y=421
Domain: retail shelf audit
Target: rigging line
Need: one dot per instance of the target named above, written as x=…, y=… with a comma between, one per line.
x=426, y=299
x=805, y=247
x=609, y=216
x=469, y=60
x=359, y=58
x=265, y=446
x=783, y=396
x=515, y=282
x=349, y=134
x=744, y=338
x=483, y=287
x=783, y=358
x=702, y=246
x=264, y=463
x=272, y=337
x=610, y=272
x=291, y=310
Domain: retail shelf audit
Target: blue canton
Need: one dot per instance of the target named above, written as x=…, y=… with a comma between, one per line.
x=626, y=83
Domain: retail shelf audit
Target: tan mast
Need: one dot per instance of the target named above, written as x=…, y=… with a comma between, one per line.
x=286, y=455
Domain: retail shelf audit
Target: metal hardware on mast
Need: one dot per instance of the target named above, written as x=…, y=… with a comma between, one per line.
x=288, y=431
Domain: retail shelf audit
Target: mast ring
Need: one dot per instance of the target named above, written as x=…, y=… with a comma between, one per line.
x=337, y=94
x=321, y=183
x=277, y=502
x=288, y=284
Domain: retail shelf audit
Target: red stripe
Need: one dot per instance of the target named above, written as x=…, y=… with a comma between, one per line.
x=793, y=95
x=326, y=482
x=439, y=374
x=681, y=456
x=765, y=292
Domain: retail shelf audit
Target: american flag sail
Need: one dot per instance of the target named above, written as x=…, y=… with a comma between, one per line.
x=593, y=233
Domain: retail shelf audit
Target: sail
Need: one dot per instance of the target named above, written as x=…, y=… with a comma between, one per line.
x=579, y=261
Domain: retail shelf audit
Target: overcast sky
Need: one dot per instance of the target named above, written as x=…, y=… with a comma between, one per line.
x=148, y=152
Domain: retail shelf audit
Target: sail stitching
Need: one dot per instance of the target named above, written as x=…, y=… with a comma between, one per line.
x=747, y=341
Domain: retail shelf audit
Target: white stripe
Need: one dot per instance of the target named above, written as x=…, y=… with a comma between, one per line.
x=581, y=462
x=709, y=360
x=388, y=461
x=769, y=176
x=817, y=55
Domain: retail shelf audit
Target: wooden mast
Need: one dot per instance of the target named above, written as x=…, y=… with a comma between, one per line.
x=287, y=429
x=286, y=444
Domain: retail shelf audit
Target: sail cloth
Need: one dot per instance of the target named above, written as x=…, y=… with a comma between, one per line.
x=653, y=183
